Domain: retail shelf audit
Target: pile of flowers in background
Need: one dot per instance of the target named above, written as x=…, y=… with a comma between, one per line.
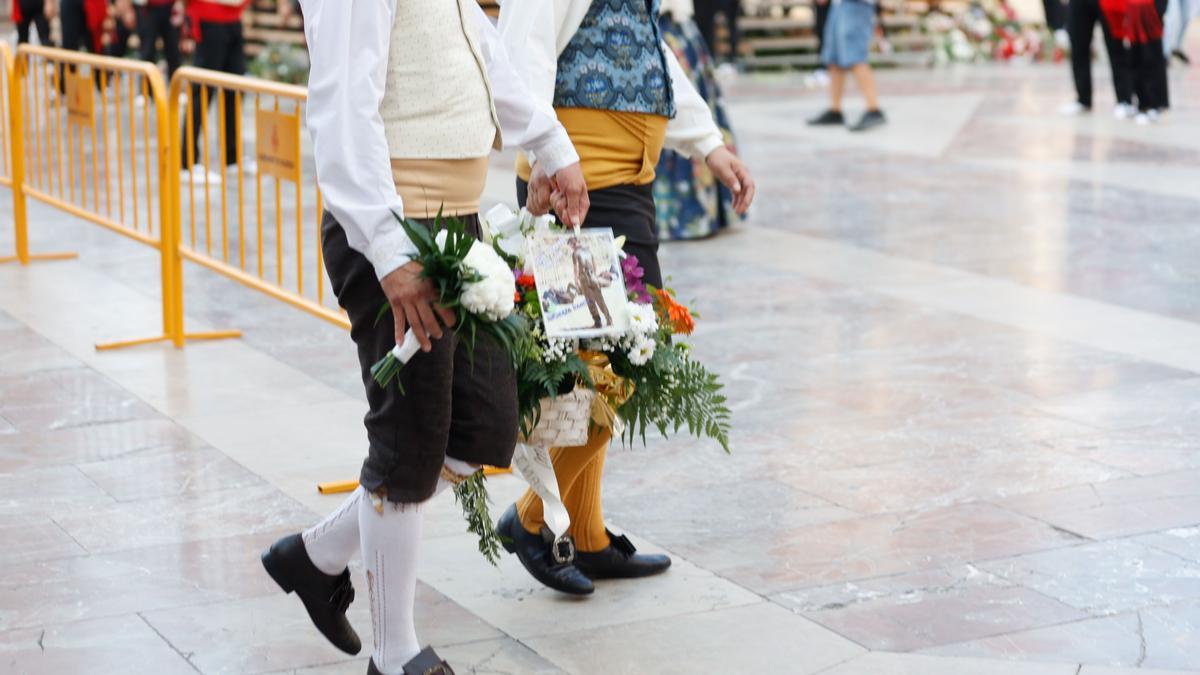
x=987, y=31
x=281, y=62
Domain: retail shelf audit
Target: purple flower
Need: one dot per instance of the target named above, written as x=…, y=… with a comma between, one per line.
x=634, y=273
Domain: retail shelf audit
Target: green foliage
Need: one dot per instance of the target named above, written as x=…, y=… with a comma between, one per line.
x=472, y=495
x=672, y=392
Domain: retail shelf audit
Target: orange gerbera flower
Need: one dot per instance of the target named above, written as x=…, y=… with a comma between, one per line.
x=526, y=281
x=679, y=316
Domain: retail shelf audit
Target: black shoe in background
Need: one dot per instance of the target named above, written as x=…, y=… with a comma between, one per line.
x=1183, y=57
x=870, y=120
x=620, y=561
x=326, y=597
x=827, y=119
x=550, y=562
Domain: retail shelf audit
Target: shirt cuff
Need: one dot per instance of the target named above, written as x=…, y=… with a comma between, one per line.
x=554, y=154
x=705, y=146
x=389, y=252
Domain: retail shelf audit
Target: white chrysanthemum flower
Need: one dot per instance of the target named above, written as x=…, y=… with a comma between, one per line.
x=491, y=296
x=642, y=319
x=642, y=352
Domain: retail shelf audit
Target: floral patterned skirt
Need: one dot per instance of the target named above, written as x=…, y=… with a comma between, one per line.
x=689, y=201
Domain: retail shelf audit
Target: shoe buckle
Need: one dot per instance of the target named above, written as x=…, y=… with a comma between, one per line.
x=563, y=549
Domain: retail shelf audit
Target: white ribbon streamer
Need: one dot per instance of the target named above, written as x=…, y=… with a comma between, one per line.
x=532, y=464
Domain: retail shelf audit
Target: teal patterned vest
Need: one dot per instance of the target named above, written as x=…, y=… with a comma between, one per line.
x=615, y=61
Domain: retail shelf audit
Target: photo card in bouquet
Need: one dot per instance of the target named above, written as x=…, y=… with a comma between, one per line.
x=579, y=282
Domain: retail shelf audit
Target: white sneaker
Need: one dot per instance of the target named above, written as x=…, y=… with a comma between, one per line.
x=1062, y=39
x=249, y=168
x=1124, y=111
x=821, y=78
x=1154, y=115
x=726, y=72
x=198, y=174
x=1143, y=119
x=1074, y=109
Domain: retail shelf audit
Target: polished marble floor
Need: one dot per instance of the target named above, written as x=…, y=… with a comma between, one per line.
x=964, y=354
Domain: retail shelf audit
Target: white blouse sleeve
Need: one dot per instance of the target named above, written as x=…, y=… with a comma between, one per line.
x=524, y=122
x=348, y=44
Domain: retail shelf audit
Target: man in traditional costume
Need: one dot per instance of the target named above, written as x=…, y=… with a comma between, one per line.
x=406, y=101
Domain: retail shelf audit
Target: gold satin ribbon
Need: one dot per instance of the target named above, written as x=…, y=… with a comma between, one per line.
x=612, y=390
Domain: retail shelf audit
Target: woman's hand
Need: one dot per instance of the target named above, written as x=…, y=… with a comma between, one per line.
x=734, y=175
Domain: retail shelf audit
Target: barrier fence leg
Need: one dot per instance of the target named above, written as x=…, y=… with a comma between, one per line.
x=169, y=237
x=16, y=146
x=339, y=486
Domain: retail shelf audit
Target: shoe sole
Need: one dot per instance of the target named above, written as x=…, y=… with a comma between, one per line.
x=624, y=576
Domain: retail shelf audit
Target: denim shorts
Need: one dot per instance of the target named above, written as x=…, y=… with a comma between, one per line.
x=848, y=33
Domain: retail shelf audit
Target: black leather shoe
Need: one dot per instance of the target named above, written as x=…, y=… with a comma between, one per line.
x=827, y=119
x=325, y=597
x=425, y=663
x=550, y=562
x=869, y=120
x=620, y=560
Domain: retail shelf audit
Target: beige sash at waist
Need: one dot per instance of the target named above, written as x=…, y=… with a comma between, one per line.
x=452, y=186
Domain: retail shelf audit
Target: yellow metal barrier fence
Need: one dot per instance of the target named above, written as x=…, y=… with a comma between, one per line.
x=12, y=164
x=77, y=118
x=272, y=244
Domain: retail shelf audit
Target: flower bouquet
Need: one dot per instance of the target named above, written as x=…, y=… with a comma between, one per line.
x=644, y=378
x=473, y=280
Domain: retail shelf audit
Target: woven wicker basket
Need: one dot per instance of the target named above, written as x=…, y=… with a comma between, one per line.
x=565, y=420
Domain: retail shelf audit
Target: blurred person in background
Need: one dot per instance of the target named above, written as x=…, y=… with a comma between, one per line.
x=848, y=33
x=160, y=20
x=706, y=12
x=690, y=202
x=216, y=28
x=1137, y=25
x=119, y=25
x=820, y=76
x=36, y=13
x=1082, y=16
x=1179, y=14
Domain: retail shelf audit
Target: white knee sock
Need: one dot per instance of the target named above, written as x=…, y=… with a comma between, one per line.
x=390, y=540
x=332, y=542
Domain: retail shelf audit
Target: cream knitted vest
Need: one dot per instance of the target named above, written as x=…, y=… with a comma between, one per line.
x=437, y=102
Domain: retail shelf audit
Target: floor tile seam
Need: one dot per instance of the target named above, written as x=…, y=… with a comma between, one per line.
x=1081, y=615
x=759, y=600
x=1107, y=504
x=1100, y=617
x=911, y=572
x=170, y=644
x=119, y=552
x=756, y=600
x=951, y=276
x=916, y=570
x=89, y=361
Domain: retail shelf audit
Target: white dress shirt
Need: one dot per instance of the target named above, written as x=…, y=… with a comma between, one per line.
x=348, y=44
x=537, y=31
